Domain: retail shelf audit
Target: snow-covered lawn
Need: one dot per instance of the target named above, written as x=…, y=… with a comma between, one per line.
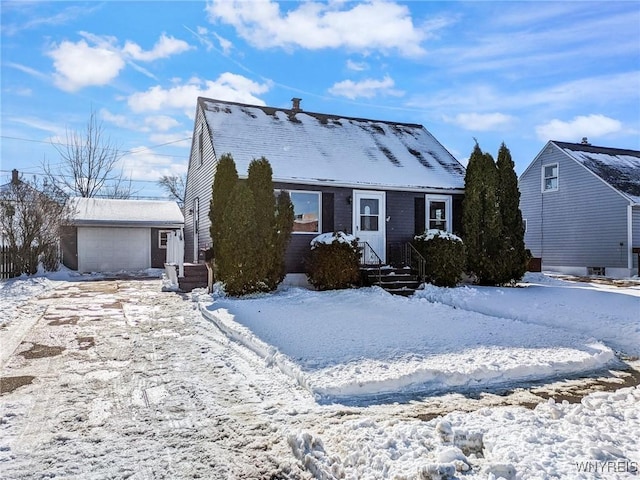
x=351, y=345
x=126, y=381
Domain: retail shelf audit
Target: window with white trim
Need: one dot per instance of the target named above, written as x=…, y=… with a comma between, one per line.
x=307, y=211
x=201, y=145
x=438, y=212
x=162, y=238
x=550, y=177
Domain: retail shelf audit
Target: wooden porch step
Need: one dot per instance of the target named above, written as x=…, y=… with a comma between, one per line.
x=398, y=281
x=196, y=275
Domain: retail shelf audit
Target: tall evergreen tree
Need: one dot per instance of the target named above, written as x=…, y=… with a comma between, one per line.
x=481, y=218
x=260, y=182
x=224, y=183
x=282, y=234
x=514, y=255
x=238, y=245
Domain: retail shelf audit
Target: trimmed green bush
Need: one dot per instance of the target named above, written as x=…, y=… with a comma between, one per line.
x=334, y=261
x=445, y=257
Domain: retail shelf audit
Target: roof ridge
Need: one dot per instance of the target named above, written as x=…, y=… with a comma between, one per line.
x=595, y=148
x=327, y=116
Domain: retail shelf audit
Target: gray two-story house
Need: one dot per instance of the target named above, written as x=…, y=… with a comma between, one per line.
x=581, y=206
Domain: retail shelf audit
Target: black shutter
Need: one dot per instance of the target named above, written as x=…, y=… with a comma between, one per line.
x=327, y=212
x=420, y=215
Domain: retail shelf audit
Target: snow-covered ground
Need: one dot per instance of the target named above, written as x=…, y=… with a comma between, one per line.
x=365, y=342
x=122, y=380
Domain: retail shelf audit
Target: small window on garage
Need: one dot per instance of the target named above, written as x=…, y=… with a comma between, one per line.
x=162, y=238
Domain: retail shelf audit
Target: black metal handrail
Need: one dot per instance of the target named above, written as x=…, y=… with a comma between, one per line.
x=369, y=258
x=411, y=257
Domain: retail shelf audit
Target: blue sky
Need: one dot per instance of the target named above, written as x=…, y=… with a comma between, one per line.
x=519, y=72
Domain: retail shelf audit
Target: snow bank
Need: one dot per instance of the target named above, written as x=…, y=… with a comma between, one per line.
x=609, y=314
x=367, y=343
x=592, y=439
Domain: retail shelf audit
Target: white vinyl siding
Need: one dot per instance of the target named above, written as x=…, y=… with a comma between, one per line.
x=584, y=224
x=199, y=181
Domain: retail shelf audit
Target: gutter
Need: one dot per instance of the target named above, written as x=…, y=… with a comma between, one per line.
x=133, y=223
x=630, y=237
x=363, y=186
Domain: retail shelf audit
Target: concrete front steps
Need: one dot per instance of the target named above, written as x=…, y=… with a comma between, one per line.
x=398, y=281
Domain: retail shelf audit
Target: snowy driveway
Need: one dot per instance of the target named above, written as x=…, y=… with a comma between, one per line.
x=129, y=382
x=119, y=380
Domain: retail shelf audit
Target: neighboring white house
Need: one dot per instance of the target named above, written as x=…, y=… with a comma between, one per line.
x=581, y=205
x=108, y=235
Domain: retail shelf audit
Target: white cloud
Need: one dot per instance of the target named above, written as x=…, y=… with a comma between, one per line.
x=164, y=47
x=79, y=65
x=97, y=60
x=225, y=44
x=122, y=121
x=144, y=164
x=161, y=123
x=481, y=122
x=367, y=88
x=228, y=86
x=154, y=123
x=594, y=125
x=370, y=26
x=357, y=66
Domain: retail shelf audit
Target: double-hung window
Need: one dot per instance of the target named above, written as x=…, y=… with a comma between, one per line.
x=550, y=177
x=438, y=212
x=162, y=238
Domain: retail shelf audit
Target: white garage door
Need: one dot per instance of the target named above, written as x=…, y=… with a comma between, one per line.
x=103, y=249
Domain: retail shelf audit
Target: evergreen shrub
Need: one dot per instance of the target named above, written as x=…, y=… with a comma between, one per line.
x=238, y=249
x=445, y=257
x=334, y=261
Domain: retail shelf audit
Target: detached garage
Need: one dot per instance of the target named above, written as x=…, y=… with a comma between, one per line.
x=108, y=235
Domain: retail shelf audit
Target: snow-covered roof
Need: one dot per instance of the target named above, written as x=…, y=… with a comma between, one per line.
x=112, y=212
x=315, y=148
x=617, y=167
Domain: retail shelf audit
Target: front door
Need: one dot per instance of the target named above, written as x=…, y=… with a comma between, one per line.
x=369, y=222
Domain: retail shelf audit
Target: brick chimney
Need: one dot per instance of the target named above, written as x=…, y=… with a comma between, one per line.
x=296, y=104
x=15, y=178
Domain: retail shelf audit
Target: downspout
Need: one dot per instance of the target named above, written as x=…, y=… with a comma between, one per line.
x=630, y=238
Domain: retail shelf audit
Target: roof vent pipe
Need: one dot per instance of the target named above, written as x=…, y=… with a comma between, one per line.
x=296, y=104
x=585, y=141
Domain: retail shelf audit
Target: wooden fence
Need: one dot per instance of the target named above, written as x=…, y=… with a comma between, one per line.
x=9, y=267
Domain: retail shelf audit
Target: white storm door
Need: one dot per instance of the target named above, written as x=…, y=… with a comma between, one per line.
x=369, y=220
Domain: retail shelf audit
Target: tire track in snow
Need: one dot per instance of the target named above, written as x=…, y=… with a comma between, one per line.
x=161, y=394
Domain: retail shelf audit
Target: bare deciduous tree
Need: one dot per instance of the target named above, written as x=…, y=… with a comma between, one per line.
x=174, y=185
x=31, y=215
x=88, y=164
